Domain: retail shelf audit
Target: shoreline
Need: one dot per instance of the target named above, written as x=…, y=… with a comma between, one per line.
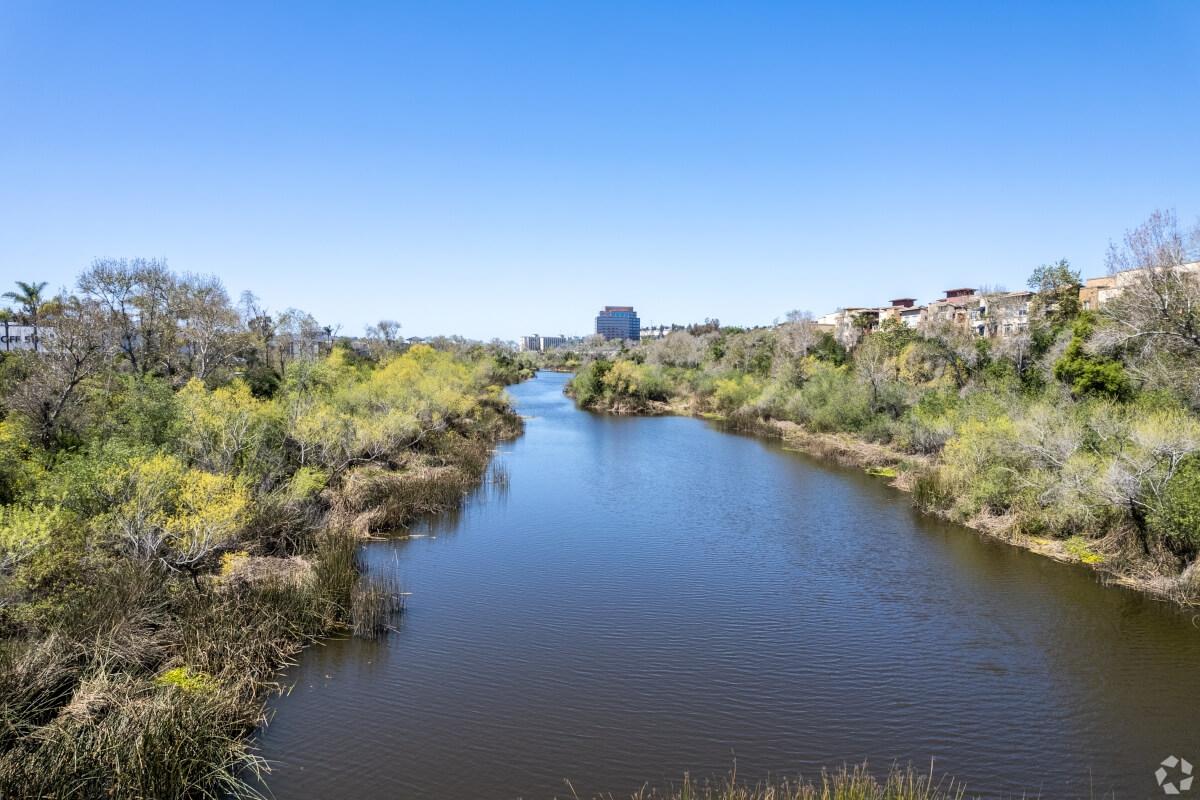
x=896, y=466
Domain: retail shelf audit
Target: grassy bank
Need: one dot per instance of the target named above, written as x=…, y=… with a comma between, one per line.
x=1079, y=437
x=182, y=501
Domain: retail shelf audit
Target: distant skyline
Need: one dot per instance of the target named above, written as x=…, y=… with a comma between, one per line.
x=500, y=169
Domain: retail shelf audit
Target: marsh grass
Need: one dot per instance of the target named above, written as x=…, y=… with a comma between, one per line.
x=374, y=606
x=846, y=783
x=498, y=476
x=149, y=687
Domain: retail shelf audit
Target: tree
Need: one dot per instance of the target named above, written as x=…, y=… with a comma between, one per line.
x=959, y=348
x=798, y=335
x=1141, y=479
x=383, y=336
x=1087, y=373
x=29, y=297
x=875, y=365
x=677, y=349
x=209, y=333
x=1154, y=321
x=134, y=295
x=1177, y=518
x=1018, y=349
x=299, y=336
x=828, y=348
x=180, y=517
x=1057, y=288
x=51, y=391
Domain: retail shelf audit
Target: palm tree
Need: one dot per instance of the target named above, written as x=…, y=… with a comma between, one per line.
x=29, y=298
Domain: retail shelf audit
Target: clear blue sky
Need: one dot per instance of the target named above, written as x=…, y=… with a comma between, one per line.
x=502, y=168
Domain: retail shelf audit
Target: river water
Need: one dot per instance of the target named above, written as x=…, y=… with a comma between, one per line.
x=650, y=596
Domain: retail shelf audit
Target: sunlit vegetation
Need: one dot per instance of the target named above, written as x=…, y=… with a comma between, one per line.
x=1083, y=429
x=183, y=489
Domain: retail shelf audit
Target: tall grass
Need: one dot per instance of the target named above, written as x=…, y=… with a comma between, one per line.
x=847, y=783
x=156, y=704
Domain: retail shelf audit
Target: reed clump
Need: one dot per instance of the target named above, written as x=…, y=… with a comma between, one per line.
x=846, y=783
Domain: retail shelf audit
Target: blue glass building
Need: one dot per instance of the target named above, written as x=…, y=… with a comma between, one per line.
x=619, y=322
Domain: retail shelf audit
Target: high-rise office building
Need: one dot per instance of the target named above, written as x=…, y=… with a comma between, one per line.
x=619, y=322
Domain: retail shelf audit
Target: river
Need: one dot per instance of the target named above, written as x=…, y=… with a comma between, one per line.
x=649, y=596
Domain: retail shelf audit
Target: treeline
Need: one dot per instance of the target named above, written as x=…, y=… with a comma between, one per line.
x=182, y=485
x=1082, y=429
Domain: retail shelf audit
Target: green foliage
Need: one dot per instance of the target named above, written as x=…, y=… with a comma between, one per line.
x=188, y=680
x=262, y=379
x=982, y=464
x=24, y=531
x=895, y=336
x=158, y=511
x=828, y=348
x=1078, y=547
x=1057, y=287
x=18, y=469
x=161, y=509
x=228, y=429
x=736, y=392
x=140, y=410
x=588, y=383
x=621, y=383
x=1178, y=517
x=832, y=400
x=1088, y=374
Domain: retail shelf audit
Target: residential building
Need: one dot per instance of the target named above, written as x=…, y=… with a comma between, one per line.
x=845, y=325
x=903, y=310
x=959, y=308
x=619, y=322
x=1003, y=315
x=1096, y=292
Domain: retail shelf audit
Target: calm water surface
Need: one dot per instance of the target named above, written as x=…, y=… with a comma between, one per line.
x=654, y=596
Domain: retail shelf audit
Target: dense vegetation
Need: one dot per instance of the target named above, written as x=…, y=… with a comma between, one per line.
x=182, y=485
x=1081, y=433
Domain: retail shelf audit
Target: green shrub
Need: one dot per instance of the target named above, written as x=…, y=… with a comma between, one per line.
x=1177, y=518
x=1088, y=374
x=832, y=400
x=736, y=392
x=982, y=464
x=929, y=492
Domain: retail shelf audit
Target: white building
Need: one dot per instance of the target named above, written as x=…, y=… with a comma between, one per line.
x=540, y=344
x=21, y=337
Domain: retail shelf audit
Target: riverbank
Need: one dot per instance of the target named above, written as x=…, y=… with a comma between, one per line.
x=1110, y=555
x=173, y=545
x=901, y=471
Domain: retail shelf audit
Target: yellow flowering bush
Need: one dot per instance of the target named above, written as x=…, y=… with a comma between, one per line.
x=169, y=511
